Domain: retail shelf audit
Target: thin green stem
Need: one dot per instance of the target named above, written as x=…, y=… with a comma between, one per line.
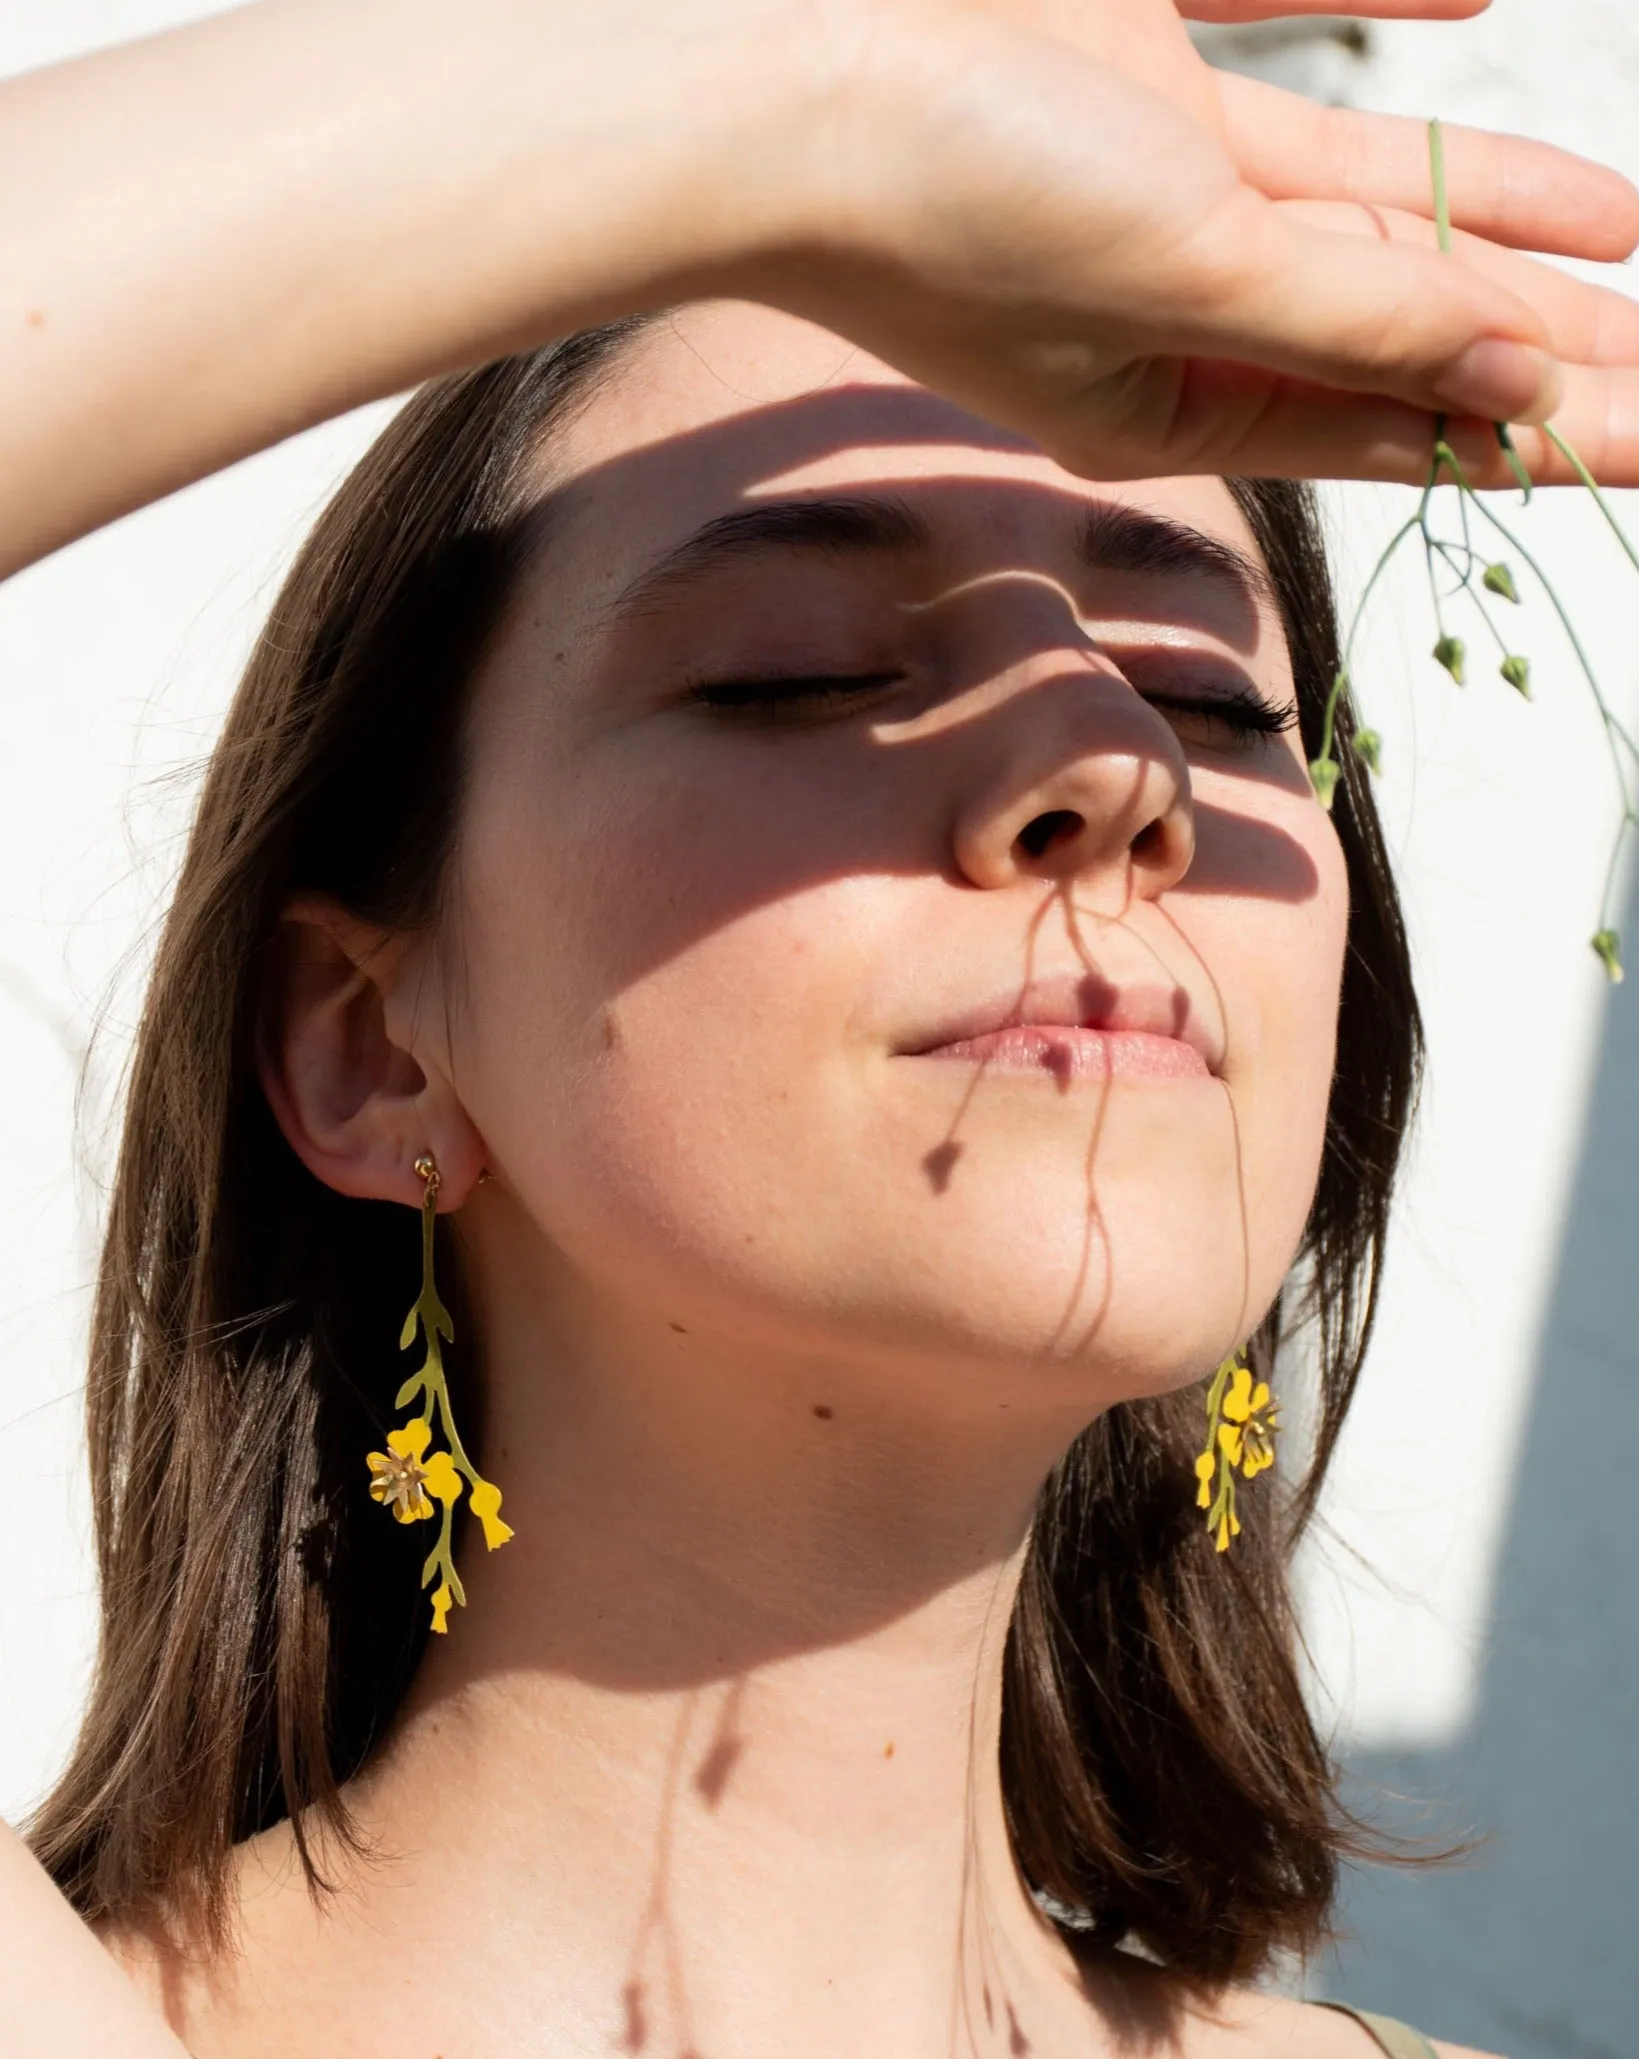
x=1616, y=732
x=1451, y=552
x=1628, y=823
x=1382, y=565
x=1592, y=484
x=1433, y=582
x=1468, y=540
x=1447, y=551
x=1617, y=737
x=1328, y=728
x=1437, y=166
x=1516, y=464
x=1615, y=729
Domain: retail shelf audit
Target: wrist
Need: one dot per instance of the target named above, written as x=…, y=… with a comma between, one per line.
x=620, y=153
x=757, y=160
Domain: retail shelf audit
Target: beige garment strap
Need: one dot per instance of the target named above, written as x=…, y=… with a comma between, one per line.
x=1399, y=2040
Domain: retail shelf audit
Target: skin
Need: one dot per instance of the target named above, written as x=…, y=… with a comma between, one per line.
x=710, y=1764
x=320, y=201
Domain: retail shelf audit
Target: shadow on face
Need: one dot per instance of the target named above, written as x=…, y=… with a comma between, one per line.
x=831, y=742
x=867, y=531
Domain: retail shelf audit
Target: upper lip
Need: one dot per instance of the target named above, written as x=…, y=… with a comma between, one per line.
x=1078, y=1001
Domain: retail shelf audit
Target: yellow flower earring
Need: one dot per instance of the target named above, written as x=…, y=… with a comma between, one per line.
x=1243, y=1419
x=406, y=1477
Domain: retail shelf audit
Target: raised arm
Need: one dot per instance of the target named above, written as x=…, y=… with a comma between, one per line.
x=1048, y=207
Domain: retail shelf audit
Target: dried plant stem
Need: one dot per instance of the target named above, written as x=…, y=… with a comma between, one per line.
x=1460, y=560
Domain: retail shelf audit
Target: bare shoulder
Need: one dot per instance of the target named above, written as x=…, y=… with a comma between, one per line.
x=1290, y=2028
x=1286, y=2029
x=1243, y=2024
x=60, y=1991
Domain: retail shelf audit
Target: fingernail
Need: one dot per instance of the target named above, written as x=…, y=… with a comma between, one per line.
x=1501, y=381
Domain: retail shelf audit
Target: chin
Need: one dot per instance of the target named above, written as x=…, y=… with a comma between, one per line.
x=1123, y=1226
x=1085, y=1246
x=1134, y=1309
x=1010, y=1289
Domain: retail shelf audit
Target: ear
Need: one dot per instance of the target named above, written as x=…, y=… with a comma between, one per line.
x=352, y=1061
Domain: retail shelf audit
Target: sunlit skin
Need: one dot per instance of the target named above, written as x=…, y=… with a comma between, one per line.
x=802, y=1259
x=783, y=1314
x=698, y=941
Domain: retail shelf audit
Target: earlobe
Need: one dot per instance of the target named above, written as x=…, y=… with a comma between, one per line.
x=357, y=1108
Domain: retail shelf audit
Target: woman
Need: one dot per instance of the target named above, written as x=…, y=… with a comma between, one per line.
x=828, y=896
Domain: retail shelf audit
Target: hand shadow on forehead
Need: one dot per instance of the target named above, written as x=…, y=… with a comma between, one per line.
x=569, y=534
x=732, y=463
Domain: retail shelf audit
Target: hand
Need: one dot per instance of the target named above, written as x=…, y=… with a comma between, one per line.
x=1508, y=189
x=1050, y=209
x=1151, y=267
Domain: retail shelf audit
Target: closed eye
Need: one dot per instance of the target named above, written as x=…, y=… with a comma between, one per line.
x=805, y=697
x=1232, y=716
x=1218, y=717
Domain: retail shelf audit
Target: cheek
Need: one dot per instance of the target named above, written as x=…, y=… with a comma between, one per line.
x=699, y=1141
x=655, y=1037
x=665, y=1045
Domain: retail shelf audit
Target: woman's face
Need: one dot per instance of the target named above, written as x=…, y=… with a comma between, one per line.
x=895, y=926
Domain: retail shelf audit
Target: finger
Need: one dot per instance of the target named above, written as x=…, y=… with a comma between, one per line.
x=1300, y=427
x=1379, y=10
x=1599, y=419
x=1261, y=286
x=1583, y=323
x=1506, y=188
x=1233, y=421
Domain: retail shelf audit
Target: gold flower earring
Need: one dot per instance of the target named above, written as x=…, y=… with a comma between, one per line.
x=407, y=1478
x=1243, y=1419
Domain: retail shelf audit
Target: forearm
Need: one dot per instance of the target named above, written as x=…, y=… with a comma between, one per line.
x=216, y=237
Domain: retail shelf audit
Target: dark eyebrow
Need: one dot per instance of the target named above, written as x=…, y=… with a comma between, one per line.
x=834, y=526
x=1113, y=538
x=1118, y=538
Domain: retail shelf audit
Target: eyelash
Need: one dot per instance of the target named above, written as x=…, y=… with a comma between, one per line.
x=773, y=699
x=1245, y=711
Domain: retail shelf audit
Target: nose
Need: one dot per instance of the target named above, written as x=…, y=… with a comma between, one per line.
x=1077, y=778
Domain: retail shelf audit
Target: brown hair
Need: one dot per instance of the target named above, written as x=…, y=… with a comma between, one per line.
x=259, y=1623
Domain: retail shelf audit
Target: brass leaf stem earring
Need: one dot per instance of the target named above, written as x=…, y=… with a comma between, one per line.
x=407, y=1478
x=1243, y=1419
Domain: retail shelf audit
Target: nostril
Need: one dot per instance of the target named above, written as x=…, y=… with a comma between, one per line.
x=1054, y=827
x=1148, y=842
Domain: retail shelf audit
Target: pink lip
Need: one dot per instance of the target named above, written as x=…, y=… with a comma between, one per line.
x=1078, y=1054
x=1079, y=1027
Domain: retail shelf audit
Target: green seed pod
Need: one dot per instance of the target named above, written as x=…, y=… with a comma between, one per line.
x=1368, y=746
x=1498, y=579
x=1517, y=672
x=1450, y=652
x=1607, y=944
x=1323, y=778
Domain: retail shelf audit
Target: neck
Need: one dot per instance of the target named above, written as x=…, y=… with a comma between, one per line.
x=723, y=1719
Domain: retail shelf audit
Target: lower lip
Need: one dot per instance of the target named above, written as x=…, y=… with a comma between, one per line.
x=1078, y=1054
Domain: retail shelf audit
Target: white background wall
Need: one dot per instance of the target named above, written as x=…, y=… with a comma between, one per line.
x=1474, y=1622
